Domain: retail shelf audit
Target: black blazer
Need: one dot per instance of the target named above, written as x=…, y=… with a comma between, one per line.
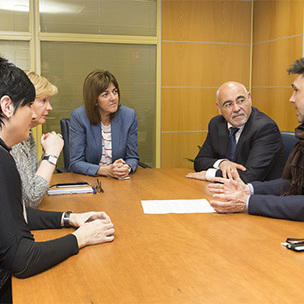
x=260, y=148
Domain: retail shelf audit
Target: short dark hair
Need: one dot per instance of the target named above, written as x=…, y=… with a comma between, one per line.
x=15, y=84
x=297, y=67
x=96, y=83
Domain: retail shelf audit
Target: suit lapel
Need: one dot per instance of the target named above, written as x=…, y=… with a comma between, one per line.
x=115, y=131
x=245, y=131
x=223, y=136
x=96, y=130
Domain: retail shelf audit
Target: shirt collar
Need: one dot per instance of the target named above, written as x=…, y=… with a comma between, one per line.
x=230, y=126
x=3, y=144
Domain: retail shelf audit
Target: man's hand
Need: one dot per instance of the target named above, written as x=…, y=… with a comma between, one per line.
x=197, y=175
x=230, y=168
x=234, y=192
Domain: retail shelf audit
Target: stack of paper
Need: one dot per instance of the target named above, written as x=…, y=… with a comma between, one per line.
x=176, y=206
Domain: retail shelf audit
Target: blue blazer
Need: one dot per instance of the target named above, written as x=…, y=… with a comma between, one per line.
x=86, y=141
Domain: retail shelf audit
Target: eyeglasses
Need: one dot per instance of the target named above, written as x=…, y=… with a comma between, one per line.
x=229, y=104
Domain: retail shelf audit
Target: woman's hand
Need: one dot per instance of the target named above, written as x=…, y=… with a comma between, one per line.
x=95, y=232
x=79, y=219
x=119, y=169
x=52, y=143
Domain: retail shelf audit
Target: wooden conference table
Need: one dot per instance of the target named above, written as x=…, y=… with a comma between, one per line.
x=169, y=258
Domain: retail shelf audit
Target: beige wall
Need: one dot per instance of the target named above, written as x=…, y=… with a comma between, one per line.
x=204, y=43
x=277, y=43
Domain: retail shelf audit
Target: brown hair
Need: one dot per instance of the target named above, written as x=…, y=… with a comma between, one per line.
x=96, y=83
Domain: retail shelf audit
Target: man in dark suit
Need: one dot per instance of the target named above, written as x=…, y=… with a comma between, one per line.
x=255, y=149
x=281, y=198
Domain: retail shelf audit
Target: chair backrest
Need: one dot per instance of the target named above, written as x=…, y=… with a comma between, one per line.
x=289, y=140
x=65, y=128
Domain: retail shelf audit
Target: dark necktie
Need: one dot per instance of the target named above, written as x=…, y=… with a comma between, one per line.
x=231, y=144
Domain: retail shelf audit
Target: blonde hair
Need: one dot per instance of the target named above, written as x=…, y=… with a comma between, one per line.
x=42, y=86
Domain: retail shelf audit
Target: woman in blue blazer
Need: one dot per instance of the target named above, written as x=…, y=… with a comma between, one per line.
x=103, y=133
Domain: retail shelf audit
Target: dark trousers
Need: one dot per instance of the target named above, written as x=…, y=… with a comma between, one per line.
x=6, y=292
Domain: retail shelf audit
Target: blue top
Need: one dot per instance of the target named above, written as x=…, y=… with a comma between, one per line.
x=86, y=141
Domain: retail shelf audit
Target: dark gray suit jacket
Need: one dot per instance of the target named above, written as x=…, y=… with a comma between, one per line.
x=260, y=148
x=267, y=201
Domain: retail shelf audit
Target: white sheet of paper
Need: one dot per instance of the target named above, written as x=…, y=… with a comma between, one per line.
x=176, y=206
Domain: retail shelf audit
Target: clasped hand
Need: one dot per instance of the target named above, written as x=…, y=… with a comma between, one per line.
x=119, y=169
x=52, y=143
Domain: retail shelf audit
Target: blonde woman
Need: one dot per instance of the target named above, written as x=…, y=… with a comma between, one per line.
x=36, y=177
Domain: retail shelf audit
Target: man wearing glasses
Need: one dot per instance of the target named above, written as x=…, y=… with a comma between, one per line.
x=241, y=139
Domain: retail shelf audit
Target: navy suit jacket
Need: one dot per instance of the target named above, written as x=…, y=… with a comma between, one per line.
x=259, y=149
x=86, y=141
x=267, y=201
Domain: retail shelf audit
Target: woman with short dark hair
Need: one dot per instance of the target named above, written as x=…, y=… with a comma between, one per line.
x=19, y=253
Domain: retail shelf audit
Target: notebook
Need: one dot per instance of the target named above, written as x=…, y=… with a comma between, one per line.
x=71, y=188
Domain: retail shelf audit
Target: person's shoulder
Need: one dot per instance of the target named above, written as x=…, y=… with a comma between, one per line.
x=217, y=119
x=16, y=150
x=80, y=114
x=80, y=117
x=261, y=116
x=125, y=109
x=22, y=148
x=126, y=112
x=79, y=111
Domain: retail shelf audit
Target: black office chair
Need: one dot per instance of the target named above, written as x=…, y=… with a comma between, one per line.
x=65, y=127
x=289, y=140
x=143, y=165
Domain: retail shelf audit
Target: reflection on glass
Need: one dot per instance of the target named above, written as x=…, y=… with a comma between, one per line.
x=17, y=52
x=112, y=17
x=14, y=15
x=66, y=65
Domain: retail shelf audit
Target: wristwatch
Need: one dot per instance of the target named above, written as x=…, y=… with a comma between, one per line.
x=66, y=219
x=52, y=159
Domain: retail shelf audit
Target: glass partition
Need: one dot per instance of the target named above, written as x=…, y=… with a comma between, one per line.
x=14, y=15
x=111, y=17
x=66, y=64
x=17, y=52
